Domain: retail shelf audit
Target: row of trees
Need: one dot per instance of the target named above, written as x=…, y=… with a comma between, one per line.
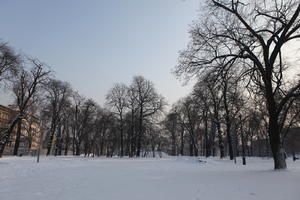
x=24, y=77
x=123, y=127
x=218, y=119
x=127, y=125
x=137, y=108
x=243, y=44
x=244, y=92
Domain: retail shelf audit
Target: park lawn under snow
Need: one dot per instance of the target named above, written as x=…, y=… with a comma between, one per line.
x=182, y=178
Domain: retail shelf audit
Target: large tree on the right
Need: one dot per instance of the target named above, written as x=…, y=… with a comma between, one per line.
x=250, y=38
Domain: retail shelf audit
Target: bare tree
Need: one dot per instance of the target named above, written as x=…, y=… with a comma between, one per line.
x=216, y=97
x=149, y=102
x=207, y=96
x=249, y=37
x=82, y=116
x=104, y=123
x=131, y=116
x=190, y=118
x=58, y=94
x=25, y=89
x=9, y=62
x=171, y=124
x=117, y=99
x=30, y=126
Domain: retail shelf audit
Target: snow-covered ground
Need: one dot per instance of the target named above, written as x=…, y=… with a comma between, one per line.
x=69, y=178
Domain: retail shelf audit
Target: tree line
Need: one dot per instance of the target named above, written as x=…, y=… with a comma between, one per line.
x=238, y=54
x=243, y=93
x=128, y=123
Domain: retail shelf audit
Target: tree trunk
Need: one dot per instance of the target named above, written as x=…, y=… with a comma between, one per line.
x=122, y=140
x=153, y=150
x=29, y=144
x=101, y=146
x=66, y=149
x=229, y=139
x=173, y=143
x=133, y=146
x=58, y=142
x=196, y=152
x=18, y=138
x=67, y=144
x=52, y=132
x=191, y=149
x=227, y=120
x=206, y=138
x=139, y=140
x=273, y=129
x=59, y=149
x=276, y=145
x=128, y=144
x=7, y=135
x=139, y=145
x=243, y=144
x=73, y=146
x=182, y=140
x=77, y=152
x=220, y=138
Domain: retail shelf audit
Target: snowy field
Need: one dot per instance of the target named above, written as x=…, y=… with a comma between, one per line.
x=69, y=178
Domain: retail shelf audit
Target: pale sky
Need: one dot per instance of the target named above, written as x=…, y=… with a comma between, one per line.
x=95, y=43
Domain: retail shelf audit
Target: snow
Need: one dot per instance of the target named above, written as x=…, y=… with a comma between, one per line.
x=169, y=178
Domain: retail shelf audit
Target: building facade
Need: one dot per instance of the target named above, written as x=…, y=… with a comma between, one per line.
x=30, y=131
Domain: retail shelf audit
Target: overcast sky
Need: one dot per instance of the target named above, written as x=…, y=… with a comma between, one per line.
x=95, y=43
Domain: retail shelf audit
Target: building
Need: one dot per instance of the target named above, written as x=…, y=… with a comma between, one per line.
x=30, y=131
x=6, y=116
x=261, y=147
x=292, y=141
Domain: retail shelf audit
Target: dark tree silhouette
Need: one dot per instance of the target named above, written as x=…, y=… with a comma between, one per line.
x=149, y=103
x=25, y=89
x=117, y=99
x=249, y=37
x=58, y=94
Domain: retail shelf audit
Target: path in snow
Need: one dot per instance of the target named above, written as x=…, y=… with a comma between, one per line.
x=69, y=178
